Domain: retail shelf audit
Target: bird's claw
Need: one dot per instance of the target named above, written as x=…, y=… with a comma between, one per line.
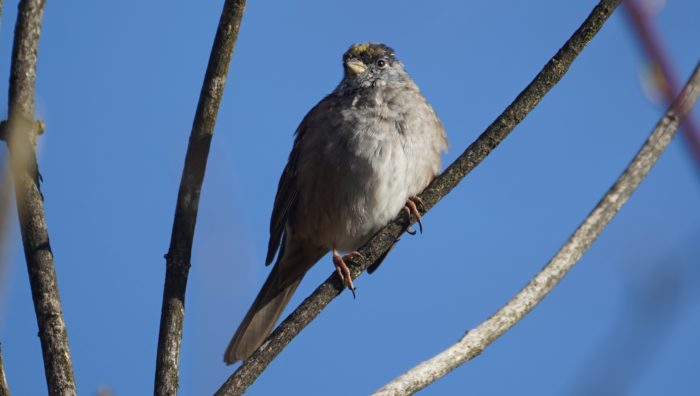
x=412, y=209
x=342, y=269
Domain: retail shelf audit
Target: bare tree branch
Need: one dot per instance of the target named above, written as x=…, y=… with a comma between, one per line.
x=21, y=132
x=179, y=253
x=4, y=389
x=378, y=246
x=477, y=339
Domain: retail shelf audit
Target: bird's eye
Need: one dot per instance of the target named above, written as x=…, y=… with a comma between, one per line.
x=381, y=63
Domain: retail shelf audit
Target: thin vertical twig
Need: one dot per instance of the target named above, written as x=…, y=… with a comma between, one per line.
x=179, y=253
x=476, y=340
x=377, y=247
x=21, y=132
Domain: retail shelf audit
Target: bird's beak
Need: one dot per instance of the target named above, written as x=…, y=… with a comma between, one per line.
x=355, y=66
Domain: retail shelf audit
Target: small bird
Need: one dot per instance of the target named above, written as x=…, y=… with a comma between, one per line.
x=360, y=156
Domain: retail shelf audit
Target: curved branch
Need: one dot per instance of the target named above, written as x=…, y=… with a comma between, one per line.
x=21, y=134
x=377, y=247
x=179, y=253
x=477, y=339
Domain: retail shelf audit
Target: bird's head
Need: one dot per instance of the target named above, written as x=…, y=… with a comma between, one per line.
x=371, y=64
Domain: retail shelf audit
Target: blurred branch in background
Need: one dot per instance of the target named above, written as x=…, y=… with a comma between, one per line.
x=658, y=293
x=663, y=76
x=477, y=339
x=21, y=132
x=5, y=189
x=180, y=251
x=378, y=246
x=104, y=391
x=4, y=389
x=4, y=208
x=5, y=197
x=4, y=204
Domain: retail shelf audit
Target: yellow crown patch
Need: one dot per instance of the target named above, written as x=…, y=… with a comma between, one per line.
x=368, y=50
x=358, y=49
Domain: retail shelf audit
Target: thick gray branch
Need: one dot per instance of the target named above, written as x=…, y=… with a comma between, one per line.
x=21, y=133
x=178, y=256
x=477, y=339
x=381, y=242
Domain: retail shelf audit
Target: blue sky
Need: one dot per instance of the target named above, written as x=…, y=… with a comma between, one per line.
x=118, y=85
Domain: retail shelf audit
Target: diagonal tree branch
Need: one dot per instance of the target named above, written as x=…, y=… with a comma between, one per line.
x=477, y=339
x=377, y=247
x=179, y=253
x=21, y=132
x=655, y=51
x=4, y=389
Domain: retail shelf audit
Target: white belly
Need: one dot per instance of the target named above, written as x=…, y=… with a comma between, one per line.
x=353, y=191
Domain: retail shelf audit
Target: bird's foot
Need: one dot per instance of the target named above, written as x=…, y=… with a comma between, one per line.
x=342, y=269
x=411, y=208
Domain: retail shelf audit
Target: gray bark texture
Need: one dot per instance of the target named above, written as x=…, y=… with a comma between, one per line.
x=21, y=132
x=378, y=246
x=477, y=339
x=179, y=253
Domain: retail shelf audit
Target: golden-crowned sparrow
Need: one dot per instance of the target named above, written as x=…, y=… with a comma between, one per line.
x=359, y=157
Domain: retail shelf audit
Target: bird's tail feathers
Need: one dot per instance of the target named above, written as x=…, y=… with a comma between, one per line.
x=274, y=296
x=261, y=317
